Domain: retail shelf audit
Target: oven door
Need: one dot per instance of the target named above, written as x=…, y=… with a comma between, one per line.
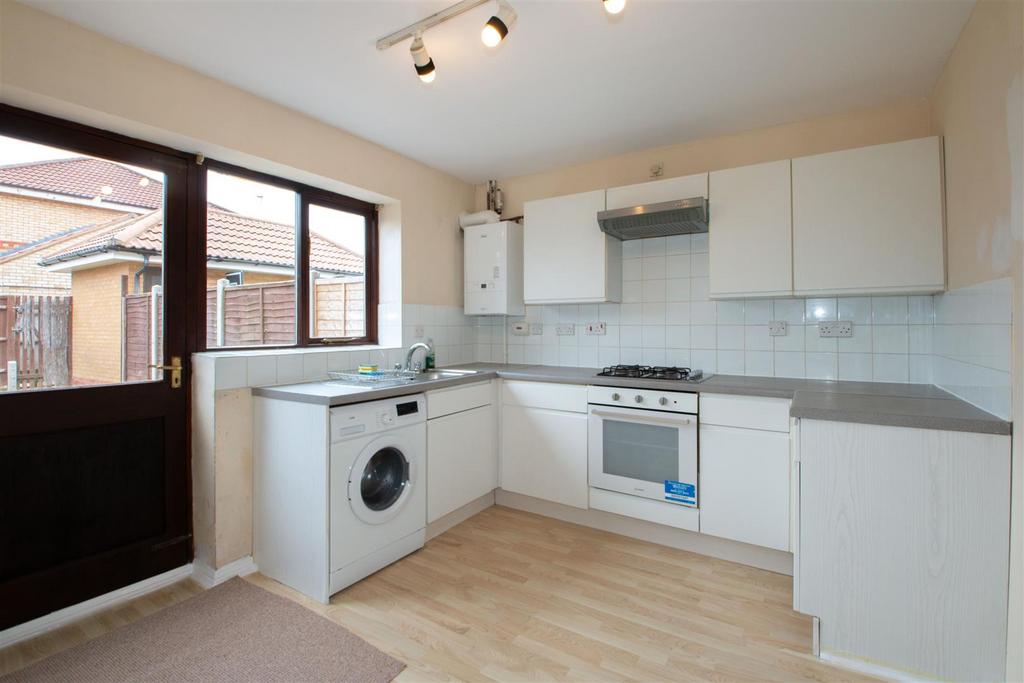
x=644, y=453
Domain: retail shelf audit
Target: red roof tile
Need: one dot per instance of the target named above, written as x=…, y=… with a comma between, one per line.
x=230, y=237
x=86, y=178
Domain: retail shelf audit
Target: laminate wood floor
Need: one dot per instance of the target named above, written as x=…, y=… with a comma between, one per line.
x=512, y=596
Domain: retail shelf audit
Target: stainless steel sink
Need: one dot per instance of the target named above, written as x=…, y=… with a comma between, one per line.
x=431, y=375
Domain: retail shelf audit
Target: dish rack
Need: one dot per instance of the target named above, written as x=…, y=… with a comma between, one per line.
x=377, y=378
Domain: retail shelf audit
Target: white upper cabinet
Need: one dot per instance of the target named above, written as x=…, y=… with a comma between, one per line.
x=566, y=257
x=656, y=191
x=869, y=220
x=750, y=231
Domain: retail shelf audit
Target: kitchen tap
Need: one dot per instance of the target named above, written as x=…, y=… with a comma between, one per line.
x=412, y=350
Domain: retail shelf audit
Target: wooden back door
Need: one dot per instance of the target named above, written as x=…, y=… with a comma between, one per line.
x=94, y=460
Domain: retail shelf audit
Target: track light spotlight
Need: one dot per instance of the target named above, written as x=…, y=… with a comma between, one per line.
x=498, y=26
x=422, y=61
x=614, y=6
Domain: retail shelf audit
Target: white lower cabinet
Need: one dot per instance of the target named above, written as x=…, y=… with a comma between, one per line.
x=462, y=446
x=744, y=485
x=904, y=546
x=544, y=449
x=462, y=459
x=745, y=469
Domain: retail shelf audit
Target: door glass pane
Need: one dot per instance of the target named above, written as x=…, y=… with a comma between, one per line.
x=337, y=273
x=81, y=269
x=250, y=263
x=383, y=479
x=642, y=452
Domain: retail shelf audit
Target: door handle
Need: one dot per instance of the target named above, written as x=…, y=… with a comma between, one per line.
x=175, y=370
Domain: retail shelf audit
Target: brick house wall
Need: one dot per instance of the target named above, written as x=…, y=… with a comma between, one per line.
x=26, y=276
x=96, y=322
x=27, y=219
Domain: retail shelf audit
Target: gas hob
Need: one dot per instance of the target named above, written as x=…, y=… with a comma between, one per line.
x=672, y=374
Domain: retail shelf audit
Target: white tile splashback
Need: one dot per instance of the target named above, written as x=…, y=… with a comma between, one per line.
x=971, y=344
x=958, y=340
x=666, y=318
x=457, y=338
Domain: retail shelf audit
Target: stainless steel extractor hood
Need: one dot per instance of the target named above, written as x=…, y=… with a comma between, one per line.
x=678, y=217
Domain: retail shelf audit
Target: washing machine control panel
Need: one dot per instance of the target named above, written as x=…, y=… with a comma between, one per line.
x=360, y=419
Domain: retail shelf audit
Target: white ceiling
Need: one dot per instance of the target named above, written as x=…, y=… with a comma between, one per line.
x=569, y=84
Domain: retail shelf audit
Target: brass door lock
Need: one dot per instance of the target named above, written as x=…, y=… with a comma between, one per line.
x=175, y=370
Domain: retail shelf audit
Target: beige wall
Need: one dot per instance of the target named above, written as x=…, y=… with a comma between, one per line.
x=900, y=121
x=51, y=65
x=977, y=107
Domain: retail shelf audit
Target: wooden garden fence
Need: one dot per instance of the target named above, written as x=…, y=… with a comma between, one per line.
x=35, y=341
x=253, y=315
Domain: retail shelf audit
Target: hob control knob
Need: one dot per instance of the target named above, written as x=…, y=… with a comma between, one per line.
x=638, y=398
x=663, y=401
x=615, y=397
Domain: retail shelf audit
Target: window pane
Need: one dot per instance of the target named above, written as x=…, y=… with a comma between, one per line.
x=337, y=273
x=81, y=269
x=250, y=263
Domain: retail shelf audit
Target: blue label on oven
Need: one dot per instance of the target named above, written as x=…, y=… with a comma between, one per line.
x=680, y=492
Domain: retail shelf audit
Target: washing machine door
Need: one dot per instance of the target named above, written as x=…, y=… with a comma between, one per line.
x=380, y=481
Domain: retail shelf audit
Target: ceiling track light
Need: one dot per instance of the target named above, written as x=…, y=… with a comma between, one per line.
x=494, y=31
x=613, y=6
x=421, y=60
x=498, y=26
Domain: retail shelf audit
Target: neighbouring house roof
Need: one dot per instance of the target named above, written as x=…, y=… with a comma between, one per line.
x=86, y=178
x=230, y=237
x=51, y=240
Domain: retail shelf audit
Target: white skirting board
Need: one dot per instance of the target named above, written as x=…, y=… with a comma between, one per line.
x=62, y=617
x=208, y=577
x=871, y=669
x=439, y=526
x=754, y=556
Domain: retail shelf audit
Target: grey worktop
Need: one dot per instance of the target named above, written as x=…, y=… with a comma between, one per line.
x=902, y=405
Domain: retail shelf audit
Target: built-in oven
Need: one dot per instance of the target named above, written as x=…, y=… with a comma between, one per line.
x=644, y=443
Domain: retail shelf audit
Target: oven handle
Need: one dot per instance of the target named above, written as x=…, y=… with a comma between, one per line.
x=676, y=422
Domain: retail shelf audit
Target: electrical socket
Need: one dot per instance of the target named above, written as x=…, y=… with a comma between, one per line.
x=565, y=329
x=520, y=329
x=840, y=328
x=596, y=328
x=536, y=329
x=778, y=328
x=418, y=332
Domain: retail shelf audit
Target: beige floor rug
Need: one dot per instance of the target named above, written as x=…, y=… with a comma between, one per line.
x=234, y=632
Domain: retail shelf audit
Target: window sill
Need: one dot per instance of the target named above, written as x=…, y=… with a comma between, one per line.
x=256, y=352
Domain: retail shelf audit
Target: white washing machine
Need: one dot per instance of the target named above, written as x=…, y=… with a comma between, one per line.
x=378, y=499
x=338, y=493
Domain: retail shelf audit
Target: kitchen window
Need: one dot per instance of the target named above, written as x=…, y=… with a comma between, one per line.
x=287, y=264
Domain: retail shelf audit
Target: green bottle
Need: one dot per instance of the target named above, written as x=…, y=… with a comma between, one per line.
x=428, y=362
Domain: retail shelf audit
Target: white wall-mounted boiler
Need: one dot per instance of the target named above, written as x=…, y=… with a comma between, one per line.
x=493, y=267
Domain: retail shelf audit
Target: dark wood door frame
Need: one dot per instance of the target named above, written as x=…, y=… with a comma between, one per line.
x=57, y=412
